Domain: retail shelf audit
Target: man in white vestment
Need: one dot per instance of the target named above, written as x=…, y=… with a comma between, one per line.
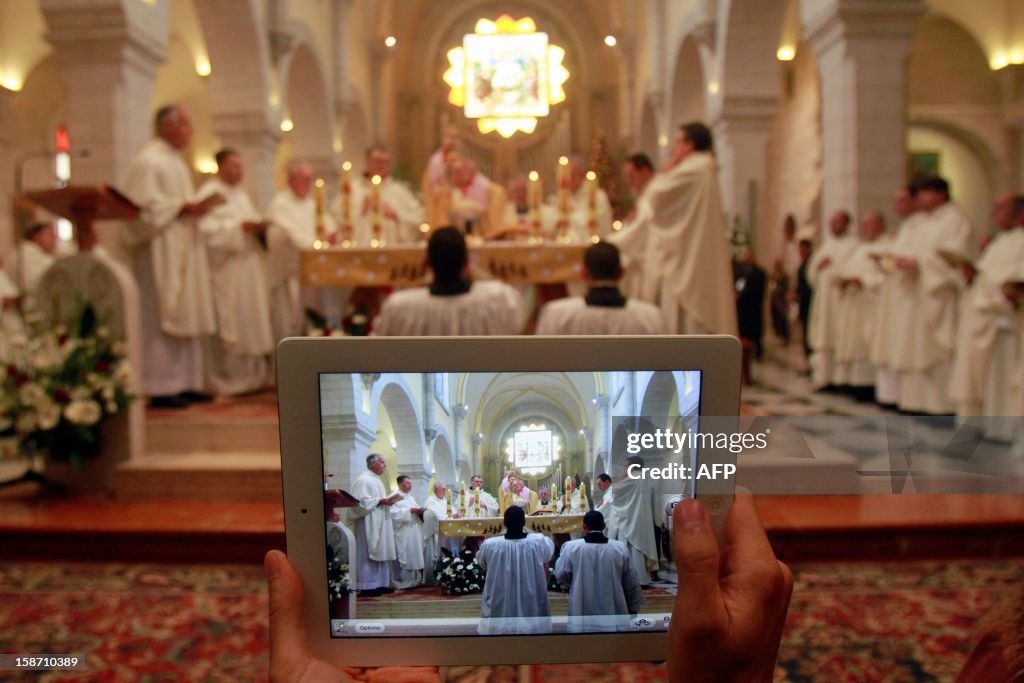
x=860, y=281
x=406, y=518
x=824, y=273
x=604, y=485
x=488, y=504
x=892, y=300
x=453, y=304
x=28, y=262
x=238, y=357
x=398, y=212
x=469, y=200
x=687, y=263
x=436, y=509
x=515, y=492
x=986, y=348
x=581, y=193
x=926, y=334
x=604, y=309
x=603, y=588
x=435, y=175
x=638, y=171
x=170, y=264
x=375, y=535
x=515, y=598
x=293, y=227
x=633, y=512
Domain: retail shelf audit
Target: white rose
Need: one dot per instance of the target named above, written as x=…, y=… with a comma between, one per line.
x=123, y=373
x=119, y=348
x=26, y=422
x=31, y=394
x=46, y=359
x=108, y=392
x=316, y=332
x=81, y=393
x=111, y=407
x=49, y=415
x=85, y=413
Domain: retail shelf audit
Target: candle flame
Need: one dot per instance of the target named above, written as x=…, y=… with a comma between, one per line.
x=534, y=176
x=591, y=175
x=347, y=166
x=563, y=161
x=375, y=180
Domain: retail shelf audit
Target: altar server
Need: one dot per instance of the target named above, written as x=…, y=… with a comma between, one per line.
x=924, y=336
x=860, y=281
x=239, y=355
x=405, y=517
x=603, y=588
x=453, y=304
x=375, y=536
x=389, y=203
x=687, y=264
x=986, y=347
x=604, y=309
x=824, y=272
x=515, y=598
x=170, y=264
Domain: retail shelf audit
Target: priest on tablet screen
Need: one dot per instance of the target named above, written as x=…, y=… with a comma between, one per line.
x=407, y=518
x=375, y=536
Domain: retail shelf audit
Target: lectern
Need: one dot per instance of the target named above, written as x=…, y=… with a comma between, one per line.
x=83, y=206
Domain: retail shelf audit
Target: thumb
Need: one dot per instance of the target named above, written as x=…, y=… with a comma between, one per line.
x=288, y=638
x=695, y=551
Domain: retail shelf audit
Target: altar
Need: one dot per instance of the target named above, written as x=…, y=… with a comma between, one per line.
x=495, y=526
x=405, y=265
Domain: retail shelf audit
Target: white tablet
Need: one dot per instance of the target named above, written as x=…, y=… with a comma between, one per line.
x=432, y=579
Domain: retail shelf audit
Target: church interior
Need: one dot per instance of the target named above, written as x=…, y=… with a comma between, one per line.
x=137, y=543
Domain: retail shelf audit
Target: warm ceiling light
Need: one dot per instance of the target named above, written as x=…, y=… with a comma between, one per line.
x=11, y=81
x=999, y=61
x=786, y=53
x=390, y=41
x=610, y=41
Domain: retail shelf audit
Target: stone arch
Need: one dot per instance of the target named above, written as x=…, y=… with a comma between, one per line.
x=357, y=136
x=688, y=86
x=307, y=103
x=443, y=458
x=949, y=66
x=647, y=140
x=657, y=393
x=747, y=39
x=395, y=397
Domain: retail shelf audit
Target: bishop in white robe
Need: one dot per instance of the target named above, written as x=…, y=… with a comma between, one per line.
x=603, y=587
x=239, y=354
x=980, y=383
x=824, y=273
x=515, y=598
x=170, y=261
x=860, y=281
x=26, y=265
x=923, y=353
x=375, y=535
x=687, y=267
x=408, y=537
x=399, y=214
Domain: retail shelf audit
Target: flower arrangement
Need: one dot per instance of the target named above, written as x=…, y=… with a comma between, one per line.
x=338, y=580
x=57, y=387
x=316, y=326
x=459, y=574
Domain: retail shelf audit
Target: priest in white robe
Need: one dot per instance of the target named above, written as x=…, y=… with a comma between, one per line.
x=926, y=335
x=587, y=203
x=604, y=309
x=860, y=281
x=604, y=591
x=892, y=299
x=405, y=517
x=515, y=598
x=238, y=356
x=389, y=204
x=638, y=171
x=604, y=505
x=170, y=264
x=26, y=265
x=436, y=509
x=824, y=273
x=469, y=200
x=632, y=510
x=687, y=267
x=489, y=506
x=986, y=348
x=453, y=304
x=375, y=535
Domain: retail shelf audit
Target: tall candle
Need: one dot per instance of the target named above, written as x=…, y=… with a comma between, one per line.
x=376, y=241
x=346, y=204
x=319, y=240
x=592, y=206
x=563, y=199
x=533, y=199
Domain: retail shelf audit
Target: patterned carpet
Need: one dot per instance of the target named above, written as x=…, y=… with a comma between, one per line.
x=848, y=622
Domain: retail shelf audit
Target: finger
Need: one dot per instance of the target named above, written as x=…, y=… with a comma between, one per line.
x=746, y=543
x=289, y=644
x=695, y=551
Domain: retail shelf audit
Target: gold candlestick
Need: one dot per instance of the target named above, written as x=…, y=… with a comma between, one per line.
x=533, y=199
x=346, y=204
x=583, y=497
x=563, y=199
x=375, y=240
x=320, y=241
x=448, y=501
x=592, y=207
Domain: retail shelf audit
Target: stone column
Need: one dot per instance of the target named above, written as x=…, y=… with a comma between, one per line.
x=862, y=47
x=741, y=130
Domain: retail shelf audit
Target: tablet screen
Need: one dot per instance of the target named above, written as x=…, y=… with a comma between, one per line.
x=422, y=472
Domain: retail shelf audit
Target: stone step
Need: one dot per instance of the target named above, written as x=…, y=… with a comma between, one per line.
x=211, y=434
x=200, y=476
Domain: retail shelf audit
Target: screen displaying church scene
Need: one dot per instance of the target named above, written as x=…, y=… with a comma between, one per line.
x=506, y=509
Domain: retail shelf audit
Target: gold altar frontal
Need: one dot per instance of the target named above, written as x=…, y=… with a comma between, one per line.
x=494, y=526
x=404, y=266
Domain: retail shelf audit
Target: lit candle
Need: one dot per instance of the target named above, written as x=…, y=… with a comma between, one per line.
x=462, y=499
x=592, y=206
x=448, y=501
x=583, y=497
x=563, y=199
x=376, y=241
x=321, y=233
x=346, y=204
x=533, y=199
